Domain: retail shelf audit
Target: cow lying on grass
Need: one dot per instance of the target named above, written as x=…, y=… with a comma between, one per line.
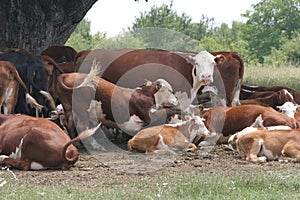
x=30, y=143
x=184, y=135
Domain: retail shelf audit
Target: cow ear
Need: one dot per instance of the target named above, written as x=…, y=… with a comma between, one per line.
x=219, y=59
x=190, y=59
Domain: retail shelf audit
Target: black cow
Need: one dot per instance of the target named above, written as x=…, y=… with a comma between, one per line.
x=32, y=72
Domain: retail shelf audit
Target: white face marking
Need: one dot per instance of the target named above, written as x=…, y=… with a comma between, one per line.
x=36, y=166
x=204, y=66
x=17, y=154
x=286, y=92
x=164, y=96
x=288, y=108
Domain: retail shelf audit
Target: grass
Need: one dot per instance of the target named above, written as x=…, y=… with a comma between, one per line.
x=184, y=186
x=287, y=75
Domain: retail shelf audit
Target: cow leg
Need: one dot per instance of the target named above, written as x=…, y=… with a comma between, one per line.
x=18, y=164
x=291, y=150
x=254, y=151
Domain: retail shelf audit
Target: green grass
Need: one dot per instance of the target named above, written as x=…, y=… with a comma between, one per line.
x=184, y=186
x=287, y=75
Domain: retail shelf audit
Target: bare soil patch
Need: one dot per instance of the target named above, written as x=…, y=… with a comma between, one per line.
x=118, y=167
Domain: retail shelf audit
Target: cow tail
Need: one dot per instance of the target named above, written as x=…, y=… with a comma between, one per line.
x=81, y=136
x=29, y=99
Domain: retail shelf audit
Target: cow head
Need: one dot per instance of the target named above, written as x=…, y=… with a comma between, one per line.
x=164, y=96
x=203, y=66
x=288, y=108
x=196, y=128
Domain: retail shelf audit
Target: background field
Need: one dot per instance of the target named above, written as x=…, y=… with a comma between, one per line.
x=214, y=173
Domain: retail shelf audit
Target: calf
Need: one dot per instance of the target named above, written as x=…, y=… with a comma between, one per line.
x=273, y=100
x=182, y=135
x=9, y=87
x=30, y=143
x=233, y=138
x=263, y=145
x=116, y=107
x=229, y=120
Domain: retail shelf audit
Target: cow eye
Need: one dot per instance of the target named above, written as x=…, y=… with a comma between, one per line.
x=194, y=71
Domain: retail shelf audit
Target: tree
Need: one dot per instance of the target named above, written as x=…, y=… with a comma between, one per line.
x=268, y=23
x=36, y=24
x=81, y=38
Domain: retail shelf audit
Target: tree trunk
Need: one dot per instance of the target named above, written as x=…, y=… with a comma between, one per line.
x=34, y=25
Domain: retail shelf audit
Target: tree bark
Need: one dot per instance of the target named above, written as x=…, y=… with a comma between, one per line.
x=35, y=25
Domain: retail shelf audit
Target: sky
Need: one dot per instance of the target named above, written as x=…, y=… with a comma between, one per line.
x=114, y=16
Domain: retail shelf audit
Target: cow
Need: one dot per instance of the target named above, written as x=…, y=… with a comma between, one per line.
x=231, y=71
x=32, y=72
x=229, y=120
x=264, y=145
x=60, y=53
x=184, y=135
x=273, y=100
x=129, y=67
x=290, y=109
x=233, y=138
x=52, y=70
x=294, y=92
x=116, y=107
x=30, y=143
x=9, y=87
x=67, y=67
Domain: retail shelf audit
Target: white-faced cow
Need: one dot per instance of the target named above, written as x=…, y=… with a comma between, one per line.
x=9, y=87
x=184, y=135
x=129, y=67
x=114, y=106
x=30, y=143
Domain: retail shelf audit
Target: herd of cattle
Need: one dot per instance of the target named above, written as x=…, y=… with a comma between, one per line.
x=163, y=100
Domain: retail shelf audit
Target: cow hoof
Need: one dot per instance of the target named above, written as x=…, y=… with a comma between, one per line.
x=2, y=157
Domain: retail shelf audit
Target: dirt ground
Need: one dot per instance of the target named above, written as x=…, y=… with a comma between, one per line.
x=94, y=168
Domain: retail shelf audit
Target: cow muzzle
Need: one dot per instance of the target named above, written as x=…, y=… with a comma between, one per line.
x=206, y=79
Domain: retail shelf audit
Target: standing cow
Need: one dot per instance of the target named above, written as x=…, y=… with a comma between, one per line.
x=129, y=67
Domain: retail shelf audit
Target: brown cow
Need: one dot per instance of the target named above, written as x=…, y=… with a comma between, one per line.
x=129, y=67
x=263, y=145
x=231, y=71
x=294, y=92
x=52, y=70
x=116, y=107
x=182, y=135
x=273, y=100
x=9, y=87
x=229, y=120
x=30, y=143
x=60, y=53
